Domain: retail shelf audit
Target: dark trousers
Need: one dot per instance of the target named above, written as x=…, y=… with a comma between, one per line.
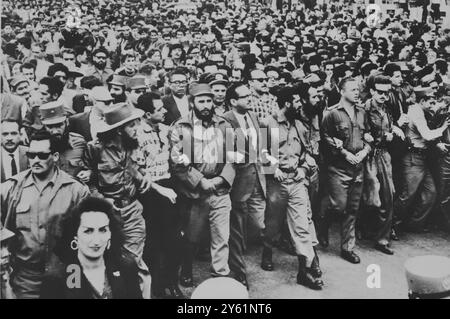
x=419, y=192
x=436, y=11
x=254, y=207
x=444, y=199
x=344, y=190
x=163, y=246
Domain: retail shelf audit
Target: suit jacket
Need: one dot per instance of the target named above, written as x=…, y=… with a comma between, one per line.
x=23, y=162
x=173, y=113
x=122, y=278
x=79, y=123
x=246, y=180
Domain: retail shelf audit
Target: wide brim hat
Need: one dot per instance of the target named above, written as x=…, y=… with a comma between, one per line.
x=119, y=80
x=118, y=115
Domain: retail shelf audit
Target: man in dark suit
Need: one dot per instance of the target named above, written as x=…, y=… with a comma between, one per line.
x=176, y=103
x=248, y=193
x=14, y=159
x=87, y=123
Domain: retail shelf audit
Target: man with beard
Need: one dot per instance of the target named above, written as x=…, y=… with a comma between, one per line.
x=383, y=131
x=99, y=65
x=116, y=86
x=70, y=146
x=13, y=155
x=287, y=195
x=204, y=179
x=344, y=133
x=34, y=203
x=113, y=159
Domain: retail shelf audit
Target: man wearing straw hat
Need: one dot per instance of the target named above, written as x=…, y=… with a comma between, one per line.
x=113, y=160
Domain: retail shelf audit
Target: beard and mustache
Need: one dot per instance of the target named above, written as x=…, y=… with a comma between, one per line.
x=205, y=115
x=99, y=65
x=62, y=142
x=129, y=143
x=119, y=98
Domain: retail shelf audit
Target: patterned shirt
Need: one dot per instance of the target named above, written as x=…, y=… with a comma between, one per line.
x=264, y=105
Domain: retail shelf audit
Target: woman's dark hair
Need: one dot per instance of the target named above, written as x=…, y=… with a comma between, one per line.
x=71, y=222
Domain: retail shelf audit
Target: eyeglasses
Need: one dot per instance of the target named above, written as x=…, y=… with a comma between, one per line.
x=179, y=82
x=69, y=59
x=41, y=155
x=385, y=93
x=262, y=80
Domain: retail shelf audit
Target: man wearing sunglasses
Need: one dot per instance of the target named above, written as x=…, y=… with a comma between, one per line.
x=262, y=102
x=34, y=203
x=419, y=182
x=70, y=146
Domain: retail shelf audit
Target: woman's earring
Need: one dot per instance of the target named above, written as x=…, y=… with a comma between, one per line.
x=108, y=245
x=74, y=244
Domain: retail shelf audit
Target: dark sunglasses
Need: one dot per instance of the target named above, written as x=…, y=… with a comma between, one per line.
x=40, y=155
x=386, y=93
x=262, y=80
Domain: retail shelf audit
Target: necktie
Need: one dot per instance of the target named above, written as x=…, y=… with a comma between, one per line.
x=13, y=165
x=251, y=135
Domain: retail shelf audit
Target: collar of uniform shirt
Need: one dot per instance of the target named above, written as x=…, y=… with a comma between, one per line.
x=30, y=180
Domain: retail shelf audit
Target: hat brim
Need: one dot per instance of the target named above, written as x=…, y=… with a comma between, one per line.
x=215, y=82
x=54, y=120
x=117, y=83
x=75, y=74
x=203, y=93
x=138, y=87
x=5, y=234
x=137, y=113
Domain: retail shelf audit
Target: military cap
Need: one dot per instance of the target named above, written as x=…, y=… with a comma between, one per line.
x=52, y=113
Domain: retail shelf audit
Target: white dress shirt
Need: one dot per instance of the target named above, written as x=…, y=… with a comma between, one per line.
x=183, y=105
x=6, y=162
x=252, y=130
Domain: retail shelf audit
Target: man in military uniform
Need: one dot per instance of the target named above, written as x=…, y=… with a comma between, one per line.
x=419, y=183
x=344, y=132
x=34, y=203
x=204, y=177
x=71, y=146
x=114, y=163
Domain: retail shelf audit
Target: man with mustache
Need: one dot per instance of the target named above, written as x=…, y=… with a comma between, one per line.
x=204, y=179
x=33, y=204
x=287, y=195
x=70, y=146
x=13, y=155
x=99, y=65
x=116, y=86
x=262, y=102
x=114, y=160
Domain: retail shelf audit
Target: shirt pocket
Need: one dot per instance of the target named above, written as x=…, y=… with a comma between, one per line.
x=23, y=217
x=343, y=131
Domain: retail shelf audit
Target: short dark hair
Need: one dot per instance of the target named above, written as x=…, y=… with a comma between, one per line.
x=89, y=82
x=55, y=86
x=284, y=95
x=344, y=82
x=101, y=49
x=56, y=68
x=231, y=91
x=43, y=135
x=27, y=65
x=71, y=223
x=145, y=101
x=379, y=79
x=391, y=68
x=178, y=70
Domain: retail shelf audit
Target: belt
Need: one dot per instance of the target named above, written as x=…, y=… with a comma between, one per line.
x=121, y=203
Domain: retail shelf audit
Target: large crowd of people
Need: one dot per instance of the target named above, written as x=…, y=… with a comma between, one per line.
x=136, y=136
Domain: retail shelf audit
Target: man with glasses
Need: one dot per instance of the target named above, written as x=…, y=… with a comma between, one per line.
x=99, y=65
x=176, y=103
x=34, y=203
x=418, y=194
x=262, y=102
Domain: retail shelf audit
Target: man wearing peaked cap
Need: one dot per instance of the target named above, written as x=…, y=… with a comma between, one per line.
x=117, y=143
x=219, y=83
x=117, y=85
x=136, y=87
x=71, y=146
x=428, y=277
x=205, y=179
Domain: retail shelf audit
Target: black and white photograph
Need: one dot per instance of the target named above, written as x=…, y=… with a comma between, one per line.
x=246, y=150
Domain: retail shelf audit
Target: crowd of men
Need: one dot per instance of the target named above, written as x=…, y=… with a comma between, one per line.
x=203, y=123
